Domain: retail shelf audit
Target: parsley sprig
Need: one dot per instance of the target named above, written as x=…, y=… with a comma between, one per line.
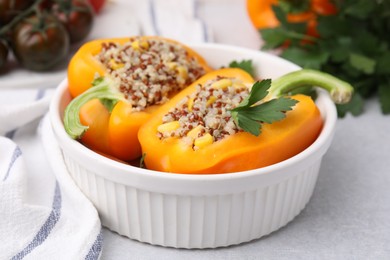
x=268, y=99
x=252, y=112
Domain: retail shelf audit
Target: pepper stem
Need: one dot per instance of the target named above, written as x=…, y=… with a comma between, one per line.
x=339, y=90
x=104, y=89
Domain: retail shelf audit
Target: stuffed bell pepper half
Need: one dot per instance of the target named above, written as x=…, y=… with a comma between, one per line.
x=226, y=122
x=118, y=83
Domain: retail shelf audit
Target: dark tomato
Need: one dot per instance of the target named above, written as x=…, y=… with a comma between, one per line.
x=46, y=4
x=77, y=17
x=97, y=5
x=10, y=8
x=40, y=43
x=3, y=53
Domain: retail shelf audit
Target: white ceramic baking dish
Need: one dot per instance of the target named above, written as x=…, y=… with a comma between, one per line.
x=198, y=211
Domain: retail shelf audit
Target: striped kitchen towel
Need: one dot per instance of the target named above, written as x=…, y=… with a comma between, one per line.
x=179, y=20
x=43, y=215
x=175, y=19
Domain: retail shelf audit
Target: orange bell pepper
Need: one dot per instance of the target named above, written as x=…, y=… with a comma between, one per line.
x=262, y=16
x=112, y=132
x=95, y=115
x=84, y=67
x=241, y=150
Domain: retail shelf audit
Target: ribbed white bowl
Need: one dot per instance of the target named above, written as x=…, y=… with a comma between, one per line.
x=198, y=211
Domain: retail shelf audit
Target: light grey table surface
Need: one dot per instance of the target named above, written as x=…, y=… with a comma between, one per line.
x=348, y=216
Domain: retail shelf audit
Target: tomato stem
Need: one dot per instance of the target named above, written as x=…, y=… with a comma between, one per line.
x=104, y=89
x=33, y=8
x=339, y=90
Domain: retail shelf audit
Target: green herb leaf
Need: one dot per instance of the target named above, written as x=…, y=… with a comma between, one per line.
x=384, y=96
x=362, y=63
x=383, y=64
x=307, y=59
x=360, y=9
x=245, y=65
x=142, y=161
x=332, y=26
x=294, y=6
x=285, y=32
x=248, y=124
x=97, y=81
x=273, y=38
x=355, y=106
x=271, y=111
x=108, y=103
x=258, y=92
x=250, y=114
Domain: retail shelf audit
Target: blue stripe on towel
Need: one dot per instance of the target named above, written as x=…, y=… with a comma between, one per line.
x=205, y=35
x=47, y=227
x=10, y=134
x=96, y=248
x=153, y=17
x=204, y=27
x=16, y=154
x=40, y=94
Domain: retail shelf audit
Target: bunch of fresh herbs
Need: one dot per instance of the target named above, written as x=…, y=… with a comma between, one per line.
x=354, y=45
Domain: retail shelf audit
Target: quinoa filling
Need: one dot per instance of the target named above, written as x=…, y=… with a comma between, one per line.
x=148, y=71
x=204, y=117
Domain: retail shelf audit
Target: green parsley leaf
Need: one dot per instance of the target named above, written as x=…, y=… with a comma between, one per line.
x=361, y=8
x=258, y=92
x=273, y=38
x=108, y=103
x=332, y=26
x=362, y=63
x=355, y=106
x=384, y=96
x=247, y=124
x=250, y=113
x=97, y=81
x=286, y=32
x=307, y=59
x=142, y=161
x=296, y=31
x=245, y=65
x=271, y=111
x=383, y=64
x=294, y=6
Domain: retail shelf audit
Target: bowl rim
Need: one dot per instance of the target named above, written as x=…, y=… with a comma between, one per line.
x=328, y=112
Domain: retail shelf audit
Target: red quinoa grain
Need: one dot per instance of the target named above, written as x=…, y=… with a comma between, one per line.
x=214, y=117
x=148, y=75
